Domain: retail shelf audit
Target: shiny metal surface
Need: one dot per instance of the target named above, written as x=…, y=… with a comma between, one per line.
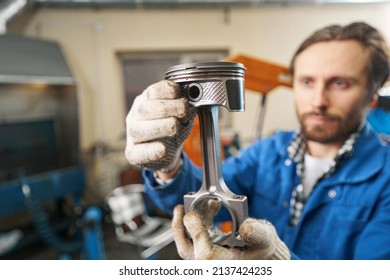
x=207, y=86
x=211, y=83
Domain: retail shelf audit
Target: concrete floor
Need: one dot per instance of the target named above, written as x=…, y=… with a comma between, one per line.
x=116, y=250
x=113, y=249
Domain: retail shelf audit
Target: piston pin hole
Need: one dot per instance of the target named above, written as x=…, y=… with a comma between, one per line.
x=194, y=92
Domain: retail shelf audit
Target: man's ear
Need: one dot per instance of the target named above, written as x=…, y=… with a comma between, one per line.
x=374, y=100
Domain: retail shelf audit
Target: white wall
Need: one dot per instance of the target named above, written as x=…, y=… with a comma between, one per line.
x=92, y=38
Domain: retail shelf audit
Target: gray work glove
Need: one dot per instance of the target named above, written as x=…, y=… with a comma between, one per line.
x=260, y=238
x=157, y=125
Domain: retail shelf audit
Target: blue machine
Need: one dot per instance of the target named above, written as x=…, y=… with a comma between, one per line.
x=32, y=192
x=39, y=150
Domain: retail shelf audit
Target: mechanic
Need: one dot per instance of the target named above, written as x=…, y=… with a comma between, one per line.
x=319, y=192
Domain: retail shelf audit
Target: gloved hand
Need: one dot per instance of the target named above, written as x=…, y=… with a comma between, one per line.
x=157, y=125
x=260, y=238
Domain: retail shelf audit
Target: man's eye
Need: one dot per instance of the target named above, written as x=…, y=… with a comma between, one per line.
x=339, y=84
x=306, y=82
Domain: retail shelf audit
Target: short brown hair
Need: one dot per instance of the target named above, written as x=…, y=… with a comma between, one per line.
x=368, y=36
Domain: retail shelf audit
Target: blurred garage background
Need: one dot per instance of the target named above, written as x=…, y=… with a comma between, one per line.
x=69, y=72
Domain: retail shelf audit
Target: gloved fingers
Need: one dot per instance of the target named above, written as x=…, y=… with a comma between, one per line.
x=140, y=154
x=204, y=248
x=208, y=209
x=160, y=108
x=257, y=233
x=143, y=131
x=184, y=245
x=160, y=124
x=200, y=236
x=163, y=89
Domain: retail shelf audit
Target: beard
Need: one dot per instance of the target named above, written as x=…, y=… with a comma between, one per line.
x=334, y=130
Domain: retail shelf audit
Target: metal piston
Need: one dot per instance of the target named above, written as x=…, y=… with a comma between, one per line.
x=208, y=85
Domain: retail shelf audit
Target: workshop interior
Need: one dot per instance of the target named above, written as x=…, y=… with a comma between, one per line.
x=69, y=73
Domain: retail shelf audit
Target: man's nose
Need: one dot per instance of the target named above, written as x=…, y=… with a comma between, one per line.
x=320, y=99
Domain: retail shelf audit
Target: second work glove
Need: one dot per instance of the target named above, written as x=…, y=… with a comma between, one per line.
x=157, y=125
x=260, y=237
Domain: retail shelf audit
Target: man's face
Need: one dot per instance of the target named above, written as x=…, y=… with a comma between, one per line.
x=330, y=90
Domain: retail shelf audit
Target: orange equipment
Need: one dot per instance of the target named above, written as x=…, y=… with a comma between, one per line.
x=192, y=146
x=261, y=76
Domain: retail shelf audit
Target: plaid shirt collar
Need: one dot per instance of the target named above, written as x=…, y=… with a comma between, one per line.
x=297, y=148
x=296, y=152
